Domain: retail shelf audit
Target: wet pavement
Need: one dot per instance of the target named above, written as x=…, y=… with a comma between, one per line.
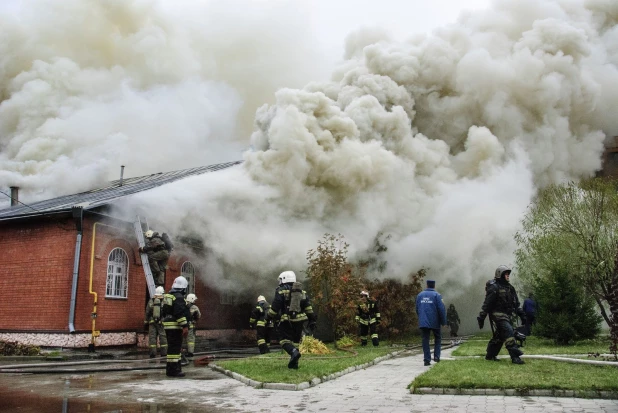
x=381, y=388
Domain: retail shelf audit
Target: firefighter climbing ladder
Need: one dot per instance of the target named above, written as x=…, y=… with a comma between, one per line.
x=139, y=234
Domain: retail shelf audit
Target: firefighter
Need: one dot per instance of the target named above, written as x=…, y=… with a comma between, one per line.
x=176, y=318
x=368, y=318
x=188, y=343
x=452, y=318
x=500, y=303
x=291, y=307
x=158, y=255
x=263, y=326
x=155, y=326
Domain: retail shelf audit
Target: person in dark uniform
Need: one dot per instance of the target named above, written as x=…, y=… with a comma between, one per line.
x=452, y=318
x=263, y=326
x=368, y=318
x=292, y=307
x=158, y=255
x=176, y=318
x=530, y=309
x=500, y=304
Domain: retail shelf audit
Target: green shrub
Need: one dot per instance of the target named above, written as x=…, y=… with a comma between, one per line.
x=565, y=312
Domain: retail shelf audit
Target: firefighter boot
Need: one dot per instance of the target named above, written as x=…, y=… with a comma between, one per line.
x=294, y=357
x=375, y=342
x=363, y=343
x=263, y=349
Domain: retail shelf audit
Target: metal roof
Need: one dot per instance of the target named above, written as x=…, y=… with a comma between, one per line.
x=105, y=195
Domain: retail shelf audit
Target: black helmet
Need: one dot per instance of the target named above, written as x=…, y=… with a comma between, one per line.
x=501, y=270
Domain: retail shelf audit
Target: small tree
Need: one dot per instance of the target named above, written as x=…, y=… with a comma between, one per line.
x=332, y=283
x=565, y=313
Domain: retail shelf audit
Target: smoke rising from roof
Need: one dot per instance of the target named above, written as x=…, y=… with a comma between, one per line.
x=439, y=141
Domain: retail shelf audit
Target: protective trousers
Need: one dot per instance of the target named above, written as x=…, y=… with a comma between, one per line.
x=189, y=342
x=503, y=334
x=263, y=338
x=454, y=329
x=371, y=328
x=174, y=343
x=156, y=330
x=158, y=265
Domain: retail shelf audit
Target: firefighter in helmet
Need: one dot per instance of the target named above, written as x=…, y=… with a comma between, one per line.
x=188, y=343
x=500, y=304
x=292, y=307
x=155, y=326
x=263, y=326
x=368, y=318
x=158, y=255
x=176, y=318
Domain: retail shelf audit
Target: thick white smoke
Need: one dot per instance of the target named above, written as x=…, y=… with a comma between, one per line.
x=439, y=141
x=89, y=85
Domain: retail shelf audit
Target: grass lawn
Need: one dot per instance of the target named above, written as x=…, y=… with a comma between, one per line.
x=273, y=367
x=534, y=345
x=535, y=374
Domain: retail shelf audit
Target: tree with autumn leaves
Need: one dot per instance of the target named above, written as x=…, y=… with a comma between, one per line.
x=335, y=285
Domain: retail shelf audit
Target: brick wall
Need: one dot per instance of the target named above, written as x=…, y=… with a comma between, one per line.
x=37, y=273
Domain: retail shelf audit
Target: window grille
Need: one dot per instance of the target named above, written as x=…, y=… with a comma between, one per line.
x=117, y=274
x=188, y=271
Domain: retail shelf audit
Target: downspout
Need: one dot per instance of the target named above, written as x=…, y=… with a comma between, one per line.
x=78, y=215
x=93, y=315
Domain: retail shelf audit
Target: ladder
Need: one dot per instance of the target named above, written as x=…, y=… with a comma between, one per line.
x=139, y=234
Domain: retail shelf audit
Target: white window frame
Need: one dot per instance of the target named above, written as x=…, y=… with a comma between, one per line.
x=184, y=271
x=117, y=283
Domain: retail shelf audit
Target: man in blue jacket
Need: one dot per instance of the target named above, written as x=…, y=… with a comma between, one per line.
x=431, y=315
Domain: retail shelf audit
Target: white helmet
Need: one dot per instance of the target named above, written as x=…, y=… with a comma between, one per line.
x=159, y=290
x=365, y=292
x=180, y=283
x=149, y=233
x=261, y=298
x=287, y=277
x=191, y=298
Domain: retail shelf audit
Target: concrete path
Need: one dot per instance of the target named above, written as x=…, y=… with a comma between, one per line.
x=381, y=388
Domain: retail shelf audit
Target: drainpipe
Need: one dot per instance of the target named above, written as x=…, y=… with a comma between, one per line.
x=121, y=174
x=78, y=215
x=93, y=315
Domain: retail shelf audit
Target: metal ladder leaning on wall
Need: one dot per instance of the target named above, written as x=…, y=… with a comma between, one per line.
x=139, y=234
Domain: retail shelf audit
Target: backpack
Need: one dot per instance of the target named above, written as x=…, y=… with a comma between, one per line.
x=296, y=296
x=169, y=246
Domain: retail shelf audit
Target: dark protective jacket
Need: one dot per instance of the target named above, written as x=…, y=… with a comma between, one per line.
x=156, y=301
x=176, y=314
x=430, y=309
x=451, y=316
x=501, y=301
x=154, y=244
x=258, y=315
x=280, y=308
x=367, y=312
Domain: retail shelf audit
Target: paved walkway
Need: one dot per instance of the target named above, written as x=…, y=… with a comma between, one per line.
x=381, y=388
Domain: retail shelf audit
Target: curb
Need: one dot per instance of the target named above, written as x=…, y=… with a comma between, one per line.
x=591, y=394
x=304, y=385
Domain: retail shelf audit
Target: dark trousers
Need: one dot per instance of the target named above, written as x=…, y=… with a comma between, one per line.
x=174, y=344
x=371, y=329
x=437, y=347
x=503, y=334
x=290, y=334
x=454, y=329
x=264, y=336
x=530, y=319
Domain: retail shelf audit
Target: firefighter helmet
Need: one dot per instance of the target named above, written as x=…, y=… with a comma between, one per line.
x=364, y=292
x=287, y=277
x=261, y=298
x=149, y=233
x=159, y=290
x=191, y=298
x=180, y=283
x=501, y=270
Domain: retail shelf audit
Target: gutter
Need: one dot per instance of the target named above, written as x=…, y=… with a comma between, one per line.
x=78, y=215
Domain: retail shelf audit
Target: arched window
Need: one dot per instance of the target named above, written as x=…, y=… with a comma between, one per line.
x=117, y=274
x=188, y=271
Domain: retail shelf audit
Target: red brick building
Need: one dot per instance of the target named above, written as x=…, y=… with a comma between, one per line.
x=72, y=276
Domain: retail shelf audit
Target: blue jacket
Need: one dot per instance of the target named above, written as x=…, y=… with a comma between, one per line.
x=430, y=309
x=529, y=306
